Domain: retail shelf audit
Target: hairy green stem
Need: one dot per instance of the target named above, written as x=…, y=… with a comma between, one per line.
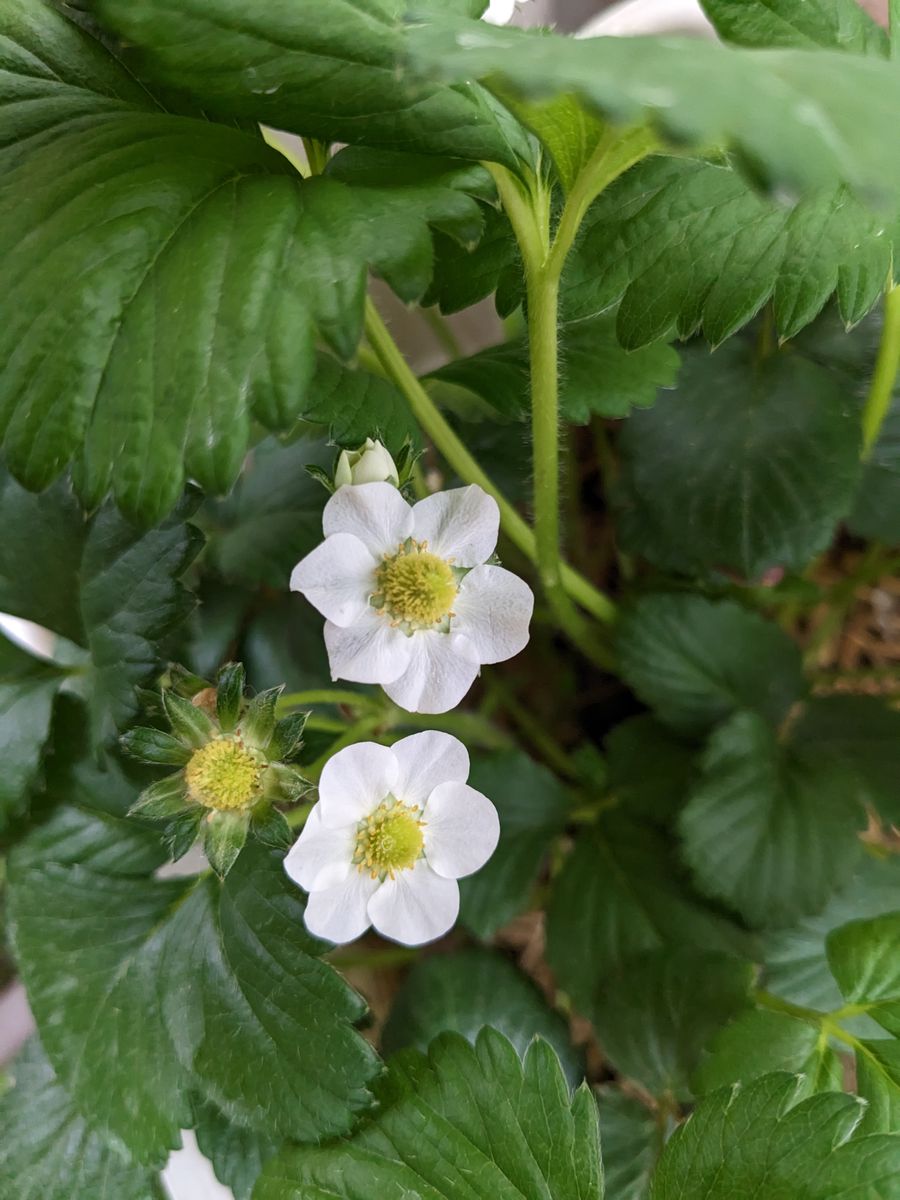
x=881, y=392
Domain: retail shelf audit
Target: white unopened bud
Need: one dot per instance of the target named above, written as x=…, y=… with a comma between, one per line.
x=371, y=463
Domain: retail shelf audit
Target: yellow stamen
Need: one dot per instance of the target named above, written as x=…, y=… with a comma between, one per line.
x=389, y=840
x=224, y=775
x=416, y=587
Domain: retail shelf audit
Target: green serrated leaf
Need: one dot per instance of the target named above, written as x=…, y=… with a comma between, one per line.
x=759, y=1042
x=649, y=769
x=533, y=807
x=331, y=73
x=120, y=584
x=688, y=245
x=464, y=1122
x=864, y=960
x=695, y=661
x=758, y=1141
x=143, y=988
x=623, y=892
x=28, y=690
x=656, y=1013
x=237, y=1155
x=598, y=376
x=463, y=992
x=829, y=24
x=878, y=1082
x=632, y=1141
x=768, y=465
x=356, y=405
x=47, y=1150
x=769, y=829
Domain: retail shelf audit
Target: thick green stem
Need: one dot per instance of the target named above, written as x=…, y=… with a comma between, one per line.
x=457, y=455
x=878, y=402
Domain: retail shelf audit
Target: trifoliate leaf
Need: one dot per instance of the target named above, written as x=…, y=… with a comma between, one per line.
x=237, y=1155
x=831, y=24
x=649, y=769
x=796, y=967
x=768, y=464
x=533, y=807
x=28, y=689
x=464, y=992
x=598, y=376
x=758, y=1042
x=356, y=405
x=622, y=892
x=878, y=1082
x=331, y=72
x=463, y=275
x=702, y=94
x=48, y=1152
x=214, y=288
x=756, y=1142
x=770, y=829
x=632, y=1141
x=864, y=960
x=656, y=1013
x=119, y=585
x=694, y=661
x=876, y=513
x=142, y=989
x=464, y=1123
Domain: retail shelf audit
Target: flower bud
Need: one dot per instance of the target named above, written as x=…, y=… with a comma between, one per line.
x=371, y=463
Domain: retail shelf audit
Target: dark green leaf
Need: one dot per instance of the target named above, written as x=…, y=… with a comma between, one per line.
x=657, y=1012
x=143, y=988
x=237, y=1155
x=356, y=405
x=769, y=829
x=768, y=464
x=831, y=24
x=758, y=1042
x=464, y=992
x=876, y=514
x=864, y=960
x=270, y=826
x=695, y=661
x=632, y=1140
x=284, y=643
x=331, y=72
x=758, y=1142
x=464, y=1123
x=120, y=586
x=649, y=769
x=533, y=807
x=47, y=1152
x=687, y=244
x=28, y=691
x=463, y=276
x=598, y=376
x=622, y=892
x=878, y=1081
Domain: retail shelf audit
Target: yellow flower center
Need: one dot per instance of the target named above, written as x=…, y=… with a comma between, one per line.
x=416, y=587
x=223, y=774
x=389, y=840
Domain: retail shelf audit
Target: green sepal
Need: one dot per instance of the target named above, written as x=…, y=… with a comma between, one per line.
x=258, y=723
x=269, y=826
x=189, y=722
x=224, y=838
x=181, y=832
x=285, y=782
x=287, y=740
x=321, y=476
x=184, y=682
x=229, y=695
x=156, y=747
x=162, y=799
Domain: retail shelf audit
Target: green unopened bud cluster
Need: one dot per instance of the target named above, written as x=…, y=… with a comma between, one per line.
x=234, y=758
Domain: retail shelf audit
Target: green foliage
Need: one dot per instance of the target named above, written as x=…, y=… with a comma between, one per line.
x=760, y=1041
x=28, y=689
x=833, y=24
x=238, y=1155
x=768, y=465
x=492, y=1126
x=759, y=1141
x=466, y=991
x=48, y=1151
x=876, y=513
x=863, y=957
x=632, y=1140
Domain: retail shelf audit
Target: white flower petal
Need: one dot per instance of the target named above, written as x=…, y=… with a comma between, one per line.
x=461, y=830
x=339, y=914
x=493, y=611
x=425, y=760
x=337, y=578
x=368, y=651
x=354, y=782
x=462, y=524
x=376, y=513
x=442, y=667
x=500, y=12
x=322, y=856
x=415, y=906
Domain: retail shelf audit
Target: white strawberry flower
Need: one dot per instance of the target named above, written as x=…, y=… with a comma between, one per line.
x=392, y=832
x=411, y=601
